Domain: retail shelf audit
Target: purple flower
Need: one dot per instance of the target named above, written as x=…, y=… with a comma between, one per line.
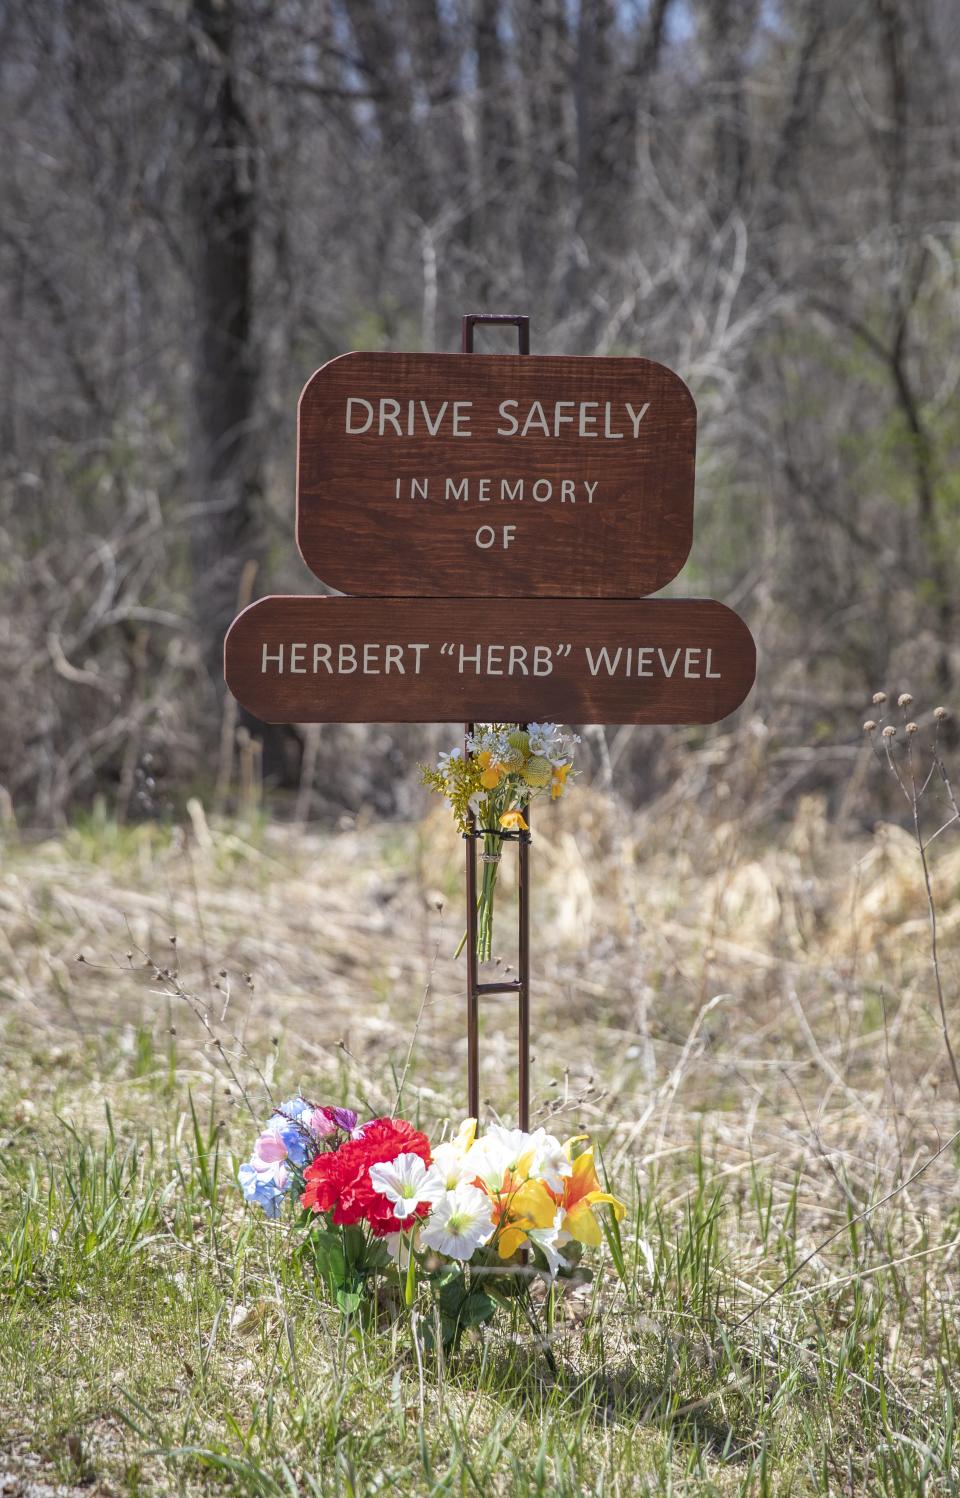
x=344, y=1118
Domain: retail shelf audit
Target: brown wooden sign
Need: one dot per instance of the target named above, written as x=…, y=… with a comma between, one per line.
x=356, y=660
x=495, y=476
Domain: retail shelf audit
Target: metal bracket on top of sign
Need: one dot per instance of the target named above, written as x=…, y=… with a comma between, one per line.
x=521, y=984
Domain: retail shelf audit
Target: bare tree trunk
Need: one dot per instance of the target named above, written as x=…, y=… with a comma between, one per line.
x=496, y=144
x=219, y=203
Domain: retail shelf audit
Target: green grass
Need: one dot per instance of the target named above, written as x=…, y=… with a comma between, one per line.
x=157, y=1336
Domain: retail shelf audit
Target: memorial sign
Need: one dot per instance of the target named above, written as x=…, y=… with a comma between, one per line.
x=501, y=476
x=434, y=485
x=336, y=660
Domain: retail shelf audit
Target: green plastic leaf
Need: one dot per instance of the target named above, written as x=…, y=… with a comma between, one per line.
x=476, y=1309
x=453, y=1292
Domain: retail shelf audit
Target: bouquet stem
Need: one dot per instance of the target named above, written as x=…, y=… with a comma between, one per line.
x=491, y=868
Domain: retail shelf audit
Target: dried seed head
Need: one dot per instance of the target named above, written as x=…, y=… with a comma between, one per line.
x=869, y=726
x=911, y=728
x=940, y=713
x=904, y=700
x=889, y=731
x=879, y=697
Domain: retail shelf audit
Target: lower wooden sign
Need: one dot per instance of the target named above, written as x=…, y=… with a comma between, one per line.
x=423, y=660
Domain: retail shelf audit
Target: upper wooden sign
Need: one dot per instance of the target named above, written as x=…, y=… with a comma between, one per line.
x=495, y=476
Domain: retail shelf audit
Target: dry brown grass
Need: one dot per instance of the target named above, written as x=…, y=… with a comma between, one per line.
x=690, y=972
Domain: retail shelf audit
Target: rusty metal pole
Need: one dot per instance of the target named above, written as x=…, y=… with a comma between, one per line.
x=523, y=994
x=473, y=998
x=521, y=986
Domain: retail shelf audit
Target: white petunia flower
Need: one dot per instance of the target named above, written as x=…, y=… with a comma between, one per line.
x=500, y=1150
x=461, y=1220
x=401, y=1182
x=452, y=1162
x=550, y=1164
x=450, y=1167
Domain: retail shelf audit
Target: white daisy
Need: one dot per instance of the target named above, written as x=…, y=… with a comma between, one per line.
x=401, y=1182
x=461, y=1220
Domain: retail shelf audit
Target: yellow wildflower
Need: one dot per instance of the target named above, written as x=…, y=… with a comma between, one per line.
x=512, y=821
x=560, y=773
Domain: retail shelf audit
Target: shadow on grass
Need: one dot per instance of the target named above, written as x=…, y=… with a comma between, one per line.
x=618, y=1394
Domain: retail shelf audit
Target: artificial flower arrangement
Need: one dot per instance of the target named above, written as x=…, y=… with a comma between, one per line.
x=492, y=784
x=474, y=1218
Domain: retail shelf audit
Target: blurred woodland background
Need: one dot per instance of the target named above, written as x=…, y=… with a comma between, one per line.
x=206, y=199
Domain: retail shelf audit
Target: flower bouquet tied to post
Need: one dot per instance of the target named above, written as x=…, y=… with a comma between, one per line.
x=468, y=1223
x=490, y=786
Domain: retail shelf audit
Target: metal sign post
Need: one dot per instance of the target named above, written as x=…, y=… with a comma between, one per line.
x=521, y=985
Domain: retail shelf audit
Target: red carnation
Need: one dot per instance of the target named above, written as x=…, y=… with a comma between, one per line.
x=340, y=1179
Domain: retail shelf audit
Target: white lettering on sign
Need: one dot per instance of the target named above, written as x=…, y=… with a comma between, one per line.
x=647, y=660
x=505, y=660
x=478, y=658
x=298, y=659
x=388, y=417
x=484, y=491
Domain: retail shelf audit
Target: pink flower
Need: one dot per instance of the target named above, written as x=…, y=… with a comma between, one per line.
x=320, y=1123
x=270, y=1147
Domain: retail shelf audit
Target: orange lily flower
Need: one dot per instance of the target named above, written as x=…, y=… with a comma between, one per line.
x=581, y=1193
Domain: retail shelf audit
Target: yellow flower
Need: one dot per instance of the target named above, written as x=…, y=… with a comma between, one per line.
x=491, y=772
x=560, y=773
x=512, y=821
x=517, y=1209
x=581, y=1193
